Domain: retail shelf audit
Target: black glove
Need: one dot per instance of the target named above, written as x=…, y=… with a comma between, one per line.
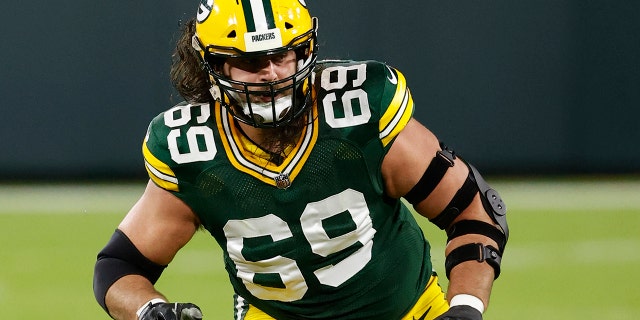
x=461, y=313
x=171, y=311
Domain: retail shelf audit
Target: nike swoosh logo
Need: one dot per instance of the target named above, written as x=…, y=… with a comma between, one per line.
x=393, y=80
x=424, y=315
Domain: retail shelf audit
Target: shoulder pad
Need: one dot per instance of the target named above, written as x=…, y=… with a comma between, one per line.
x=168, y=142
x=353, y=93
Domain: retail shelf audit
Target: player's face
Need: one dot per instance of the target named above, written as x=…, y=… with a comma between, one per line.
x=262, y=69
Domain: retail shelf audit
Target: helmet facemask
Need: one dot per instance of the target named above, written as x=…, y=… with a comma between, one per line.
x=264, y=104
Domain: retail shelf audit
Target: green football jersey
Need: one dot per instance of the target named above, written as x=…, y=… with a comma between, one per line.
x=314, y=237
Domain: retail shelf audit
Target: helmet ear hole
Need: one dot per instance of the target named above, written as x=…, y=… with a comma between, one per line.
x=288, y=25
x=232, y=34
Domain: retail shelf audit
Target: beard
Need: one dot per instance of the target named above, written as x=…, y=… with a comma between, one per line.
x=277, y=140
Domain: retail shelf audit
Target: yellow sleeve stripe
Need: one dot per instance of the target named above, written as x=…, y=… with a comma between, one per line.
x=398, y=113
x=158, y=171
x=400, y=120
x=396, y=102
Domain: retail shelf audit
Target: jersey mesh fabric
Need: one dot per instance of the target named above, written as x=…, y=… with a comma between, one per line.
x=331, y=246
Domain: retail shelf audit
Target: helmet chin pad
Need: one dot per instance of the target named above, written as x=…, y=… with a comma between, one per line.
x=265, y=112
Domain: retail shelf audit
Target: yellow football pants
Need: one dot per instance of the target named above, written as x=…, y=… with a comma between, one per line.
x=431, y=304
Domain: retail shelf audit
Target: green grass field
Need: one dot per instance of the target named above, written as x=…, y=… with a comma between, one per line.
x=574, y=251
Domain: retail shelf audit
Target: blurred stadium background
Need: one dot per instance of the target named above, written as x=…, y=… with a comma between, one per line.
x=543, y=96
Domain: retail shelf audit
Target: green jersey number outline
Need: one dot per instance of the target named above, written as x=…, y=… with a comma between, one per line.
x=322, y=244
x=194, y=153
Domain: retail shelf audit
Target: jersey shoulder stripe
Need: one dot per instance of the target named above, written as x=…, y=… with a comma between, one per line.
x=399, y=110
x=159, y=172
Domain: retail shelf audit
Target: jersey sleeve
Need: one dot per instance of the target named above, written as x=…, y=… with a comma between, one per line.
x=157, y=157
x=396, y=105
x=368, y=100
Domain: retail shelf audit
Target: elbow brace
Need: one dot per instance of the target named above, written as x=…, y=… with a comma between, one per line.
x=497, y=210
x=491, y=201
x=119, y=258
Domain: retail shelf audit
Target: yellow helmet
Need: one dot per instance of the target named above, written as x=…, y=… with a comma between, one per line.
x=249, y=28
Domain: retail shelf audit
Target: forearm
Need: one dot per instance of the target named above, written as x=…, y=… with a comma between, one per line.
x=128, y=294
x=471, y=278
x=144, y=243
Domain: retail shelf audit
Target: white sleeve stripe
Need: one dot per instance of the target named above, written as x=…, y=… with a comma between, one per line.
x=160, y=175
x=396, y=118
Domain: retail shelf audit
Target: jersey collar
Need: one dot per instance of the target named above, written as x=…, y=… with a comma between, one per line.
x=244, y=155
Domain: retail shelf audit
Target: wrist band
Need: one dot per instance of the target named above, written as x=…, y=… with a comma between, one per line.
x=467, y=300
x=148, y=304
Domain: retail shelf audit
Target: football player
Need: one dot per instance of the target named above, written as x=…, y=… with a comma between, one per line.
x=297, y=168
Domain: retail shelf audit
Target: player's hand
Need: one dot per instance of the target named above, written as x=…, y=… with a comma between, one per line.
x=171, y=311
x=461, y=313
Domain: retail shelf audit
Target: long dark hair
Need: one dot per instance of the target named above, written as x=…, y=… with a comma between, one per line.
x=187, y=73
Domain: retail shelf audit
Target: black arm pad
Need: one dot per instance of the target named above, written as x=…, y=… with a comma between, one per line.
x=464, y=227
x=119, y=258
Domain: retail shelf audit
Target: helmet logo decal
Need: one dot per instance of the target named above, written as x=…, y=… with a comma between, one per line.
x=204, y=10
